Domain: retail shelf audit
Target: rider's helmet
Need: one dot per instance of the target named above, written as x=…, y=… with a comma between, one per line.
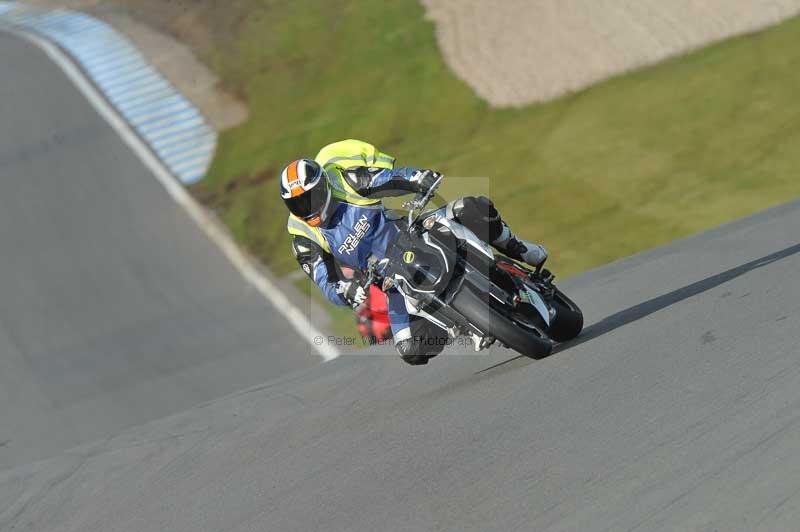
x=306, y=191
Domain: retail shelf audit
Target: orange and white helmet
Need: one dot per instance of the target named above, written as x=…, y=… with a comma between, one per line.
x=306, y=191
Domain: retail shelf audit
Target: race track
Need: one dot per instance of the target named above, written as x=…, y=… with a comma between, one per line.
x=679, y=408
x=116, y=309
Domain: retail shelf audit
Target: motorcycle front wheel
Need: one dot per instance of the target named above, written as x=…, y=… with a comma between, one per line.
x=568, y=322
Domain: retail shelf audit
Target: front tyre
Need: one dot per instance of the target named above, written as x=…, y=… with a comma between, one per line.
x=568, y=321
x=503, y=328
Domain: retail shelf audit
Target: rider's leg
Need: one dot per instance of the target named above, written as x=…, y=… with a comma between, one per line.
x=481, y=217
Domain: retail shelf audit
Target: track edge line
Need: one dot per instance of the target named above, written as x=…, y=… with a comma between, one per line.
x=179, y=194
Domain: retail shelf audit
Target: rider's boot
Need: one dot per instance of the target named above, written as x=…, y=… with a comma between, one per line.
x=518, y=249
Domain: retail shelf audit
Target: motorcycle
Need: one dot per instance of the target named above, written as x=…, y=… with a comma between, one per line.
x=451, y=278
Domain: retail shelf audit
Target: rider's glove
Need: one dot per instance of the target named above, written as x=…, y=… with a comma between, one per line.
x=425, y=179
x=352, y=292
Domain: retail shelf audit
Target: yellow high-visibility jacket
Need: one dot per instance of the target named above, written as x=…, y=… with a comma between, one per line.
x=335, y=158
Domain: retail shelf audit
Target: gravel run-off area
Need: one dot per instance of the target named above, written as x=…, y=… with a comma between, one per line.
x=516, y=52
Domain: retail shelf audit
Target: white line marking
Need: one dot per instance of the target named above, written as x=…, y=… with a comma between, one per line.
x=142, y=80
x=172, y=104
x=202, y=142
x=120, y=63
x=278, y=299
x=169, y=150
x=166, y=127
x=182, y=137
x=93, y=58
x=143, y=97
x=201, y=150
x=130, y=69
x=156, y=122
x=162, y=120
x=190, y=167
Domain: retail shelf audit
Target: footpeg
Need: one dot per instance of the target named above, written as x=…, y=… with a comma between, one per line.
x=481, y=342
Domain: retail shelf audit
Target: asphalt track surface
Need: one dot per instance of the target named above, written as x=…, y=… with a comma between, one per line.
x=678, y=409
x=115, y=309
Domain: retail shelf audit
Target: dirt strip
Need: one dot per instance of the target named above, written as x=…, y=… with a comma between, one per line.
x=516, y=52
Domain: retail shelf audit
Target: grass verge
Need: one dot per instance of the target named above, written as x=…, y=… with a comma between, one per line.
x=626, y=165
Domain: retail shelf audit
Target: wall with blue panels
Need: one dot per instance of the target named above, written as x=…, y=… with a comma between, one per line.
x=169, y=123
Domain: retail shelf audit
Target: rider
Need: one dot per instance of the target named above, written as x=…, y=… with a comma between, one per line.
x=337, y=218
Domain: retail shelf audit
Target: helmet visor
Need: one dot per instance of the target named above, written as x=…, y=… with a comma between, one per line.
x=310, y=203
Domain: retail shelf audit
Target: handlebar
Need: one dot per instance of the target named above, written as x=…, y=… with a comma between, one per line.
x=418, y=203
x=376, y=267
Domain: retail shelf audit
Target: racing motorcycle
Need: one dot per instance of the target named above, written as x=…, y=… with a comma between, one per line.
x=451, y=278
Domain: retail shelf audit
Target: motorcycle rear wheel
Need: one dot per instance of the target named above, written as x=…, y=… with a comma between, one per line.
x=494, y=323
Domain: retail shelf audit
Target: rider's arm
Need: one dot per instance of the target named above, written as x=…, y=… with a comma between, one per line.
x=381, y=183
x=319, y=266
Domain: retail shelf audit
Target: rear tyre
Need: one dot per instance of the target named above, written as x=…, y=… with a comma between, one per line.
x=568, y=322
x=496, y=324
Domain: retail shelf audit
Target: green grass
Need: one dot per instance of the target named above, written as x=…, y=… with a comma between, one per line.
x=626, y=165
